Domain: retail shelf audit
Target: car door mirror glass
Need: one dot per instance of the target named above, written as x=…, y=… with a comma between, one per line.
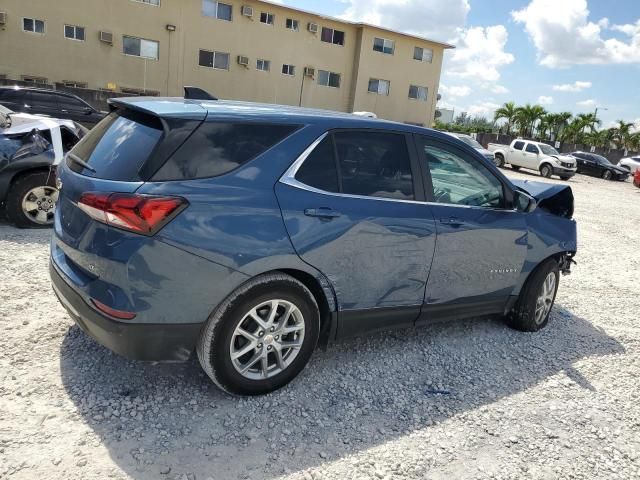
x=523, y=202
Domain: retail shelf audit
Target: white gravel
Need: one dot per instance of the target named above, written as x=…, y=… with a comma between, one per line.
x=464, y=400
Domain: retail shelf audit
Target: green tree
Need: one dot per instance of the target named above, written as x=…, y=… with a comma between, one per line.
x=508, y=113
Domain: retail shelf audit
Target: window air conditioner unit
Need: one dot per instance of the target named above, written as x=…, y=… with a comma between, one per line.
x=312, y=27
x=106, y=37
x=309, y=72
x=247, y=11
x=242, y=60
x=3, y=18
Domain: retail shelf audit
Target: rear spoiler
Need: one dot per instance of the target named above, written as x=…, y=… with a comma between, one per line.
x=195, y=93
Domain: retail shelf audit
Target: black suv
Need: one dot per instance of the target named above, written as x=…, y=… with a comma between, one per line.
x=52, y=103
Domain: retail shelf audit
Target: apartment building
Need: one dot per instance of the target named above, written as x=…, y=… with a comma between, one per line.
x=236, y=49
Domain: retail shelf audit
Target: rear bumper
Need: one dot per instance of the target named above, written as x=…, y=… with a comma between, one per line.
x=150, y=342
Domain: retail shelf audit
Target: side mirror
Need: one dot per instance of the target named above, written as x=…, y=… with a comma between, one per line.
x=88, y=110
x=524, y=202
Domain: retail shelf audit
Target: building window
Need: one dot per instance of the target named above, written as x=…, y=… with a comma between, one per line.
x=266, y=18
x=35, y=80
x=381, y=87
x=292, y=24
x=329, y=35
x=219, y=10
x=384, y=46
x=418, y=93
x=33, y=25
x=217, y=60
x=263, y=65
x=73, y=84
x=155, y=3
x=423, y=54
x=288, y=69
x=73, y=32
x=328, y=79
x=139, y=47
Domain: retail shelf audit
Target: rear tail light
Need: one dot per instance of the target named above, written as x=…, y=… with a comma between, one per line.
x=142, y=214
x=112, y=312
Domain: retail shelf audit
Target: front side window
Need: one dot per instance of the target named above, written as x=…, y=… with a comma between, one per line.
x=418, y=93
x=423, y=54
x=459, y=179
x=531, y=148
x=263, y=65
x=328, y=79
x=288, y=69
x=266, y=18
x=292, y=24
x=329, y=35
x=217, y=148
x=74, y=32
x=369, y=164
x=33, y=25
x=383, y=45
x=42, y=100
x=139, y=47
x=381, y=87
x=219, y=10
x=217, y=60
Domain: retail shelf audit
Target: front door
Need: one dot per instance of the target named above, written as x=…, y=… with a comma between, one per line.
x=531, y=156
x=482, y=243
x=354, y=209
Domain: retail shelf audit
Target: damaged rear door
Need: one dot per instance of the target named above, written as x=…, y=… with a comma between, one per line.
x=353, y=207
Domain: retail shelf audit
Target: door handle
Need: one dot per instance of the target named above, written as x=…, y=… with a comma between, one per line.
x=452, y=222
x=322, y=212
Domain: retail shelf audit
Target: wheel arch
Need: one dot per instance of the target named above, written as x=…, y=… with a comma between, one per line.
x=7, y=179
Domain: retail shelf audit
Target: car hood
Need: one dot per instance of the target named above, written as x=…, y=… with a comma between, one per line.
x=563, y=158
x=25, y=122
x=484, y=152
x=554, y=198
x=618, y=169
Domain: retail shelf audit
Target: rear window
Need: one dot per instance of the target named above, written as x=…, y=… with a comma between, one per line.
x=217, y=148
x=118, y=146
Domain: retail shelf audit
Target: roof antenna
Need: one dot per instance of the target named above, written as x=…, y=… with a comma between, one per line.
x=195, y=93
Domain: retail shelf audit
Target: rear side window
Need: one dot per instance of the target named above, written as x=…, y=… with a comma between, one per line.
x=518, y=145
x=217, y=148
x=370, y=164
x=117, y=147
x=42, y=100
x=11, y=95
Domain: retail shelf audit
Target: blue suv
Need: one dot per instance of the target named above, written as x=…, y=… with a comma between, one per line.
x=251, y=233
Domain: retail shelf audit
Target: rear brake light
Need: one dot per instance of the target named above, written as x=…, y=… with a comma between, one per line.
x=112, y=312
x=142, y=214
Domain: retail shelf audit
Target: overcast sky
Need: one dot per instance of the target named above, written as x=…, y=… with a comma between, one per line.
x=569, y=55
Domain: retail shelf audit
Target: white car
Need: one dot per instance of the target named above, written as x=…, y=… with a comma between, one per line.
x=534, y=156
x=630, y=163
x=472, y=142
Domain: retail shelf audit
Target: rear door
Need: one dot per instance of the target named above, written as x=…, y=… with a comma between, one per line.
x=354, y=208
x=482, y=242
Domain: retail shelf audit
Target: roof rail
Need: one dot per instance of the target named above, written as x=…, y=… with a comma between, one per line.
x=195, y=93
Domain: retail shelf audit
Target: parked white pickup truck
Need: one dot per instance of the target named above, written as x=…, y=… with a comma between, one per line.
x=534, y=156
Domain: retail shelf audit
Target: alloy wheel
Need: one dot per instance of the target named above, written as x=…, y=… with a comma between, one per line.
x=39, y=204
x=267, y=339
x=546, y=298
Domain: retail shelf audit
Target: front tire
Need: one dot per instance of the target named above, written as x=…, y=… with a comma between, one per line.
x=546, y=171
x=607, y=175
x=498, y=160
x=532, y=310
x=261, y=337
x=31, y=202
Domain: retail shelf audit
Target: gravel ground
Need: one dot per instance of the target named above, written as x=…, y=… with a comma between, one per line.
x=463, y=400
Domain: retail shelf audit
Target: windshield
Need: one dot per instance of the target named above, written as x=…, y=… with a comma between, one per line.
x=469, y=141
x=547, y=150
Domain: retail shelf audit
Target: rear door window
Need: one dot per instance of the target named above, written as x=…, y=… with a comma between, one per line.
x=43, y=100
x=217, y=148
x=518, y=145
x=118, y=146
x=320, y=170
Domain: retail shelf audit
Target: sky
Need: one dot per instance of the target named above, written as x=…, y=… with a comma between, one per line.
x=567, y=55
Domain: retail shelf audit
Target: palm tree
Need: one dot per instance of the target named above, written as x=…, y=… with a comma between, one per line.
x=507, y=112
x=588, y=120
x=623, y=134
x=527, y=116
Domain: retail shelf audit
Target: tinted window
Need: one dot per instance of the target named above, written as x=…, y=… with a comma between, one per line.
x=459, y=179
x=531, y=148
x=70, y=103
x=217, y=148
x=118, y=146
x=11, y=95
x=319, y=169
x=581, y=156
x=374, y=164
x=42, y=100
x=518, y=145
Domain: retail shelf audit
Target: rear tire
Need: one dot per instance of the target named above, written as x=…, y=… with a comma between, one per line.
x=532, y=310
x=245, y=322
x=498, y=160
x=546, y=171
x=31, y=201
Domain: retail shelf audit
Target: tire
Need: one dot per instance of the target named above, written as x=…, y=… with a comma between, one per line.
x=34, y=190
x=515, y=167
x=498, y=160
x=546, y=171
x=220, y=335
x=607, y=175
x=525, y=316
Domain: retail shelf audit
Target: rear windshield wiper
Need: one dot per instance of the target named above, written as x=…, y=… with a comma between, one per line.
x=77, y=160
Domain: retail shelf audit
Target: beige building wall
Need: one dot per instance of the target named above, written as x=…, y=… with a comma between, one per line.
x=98, y=65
